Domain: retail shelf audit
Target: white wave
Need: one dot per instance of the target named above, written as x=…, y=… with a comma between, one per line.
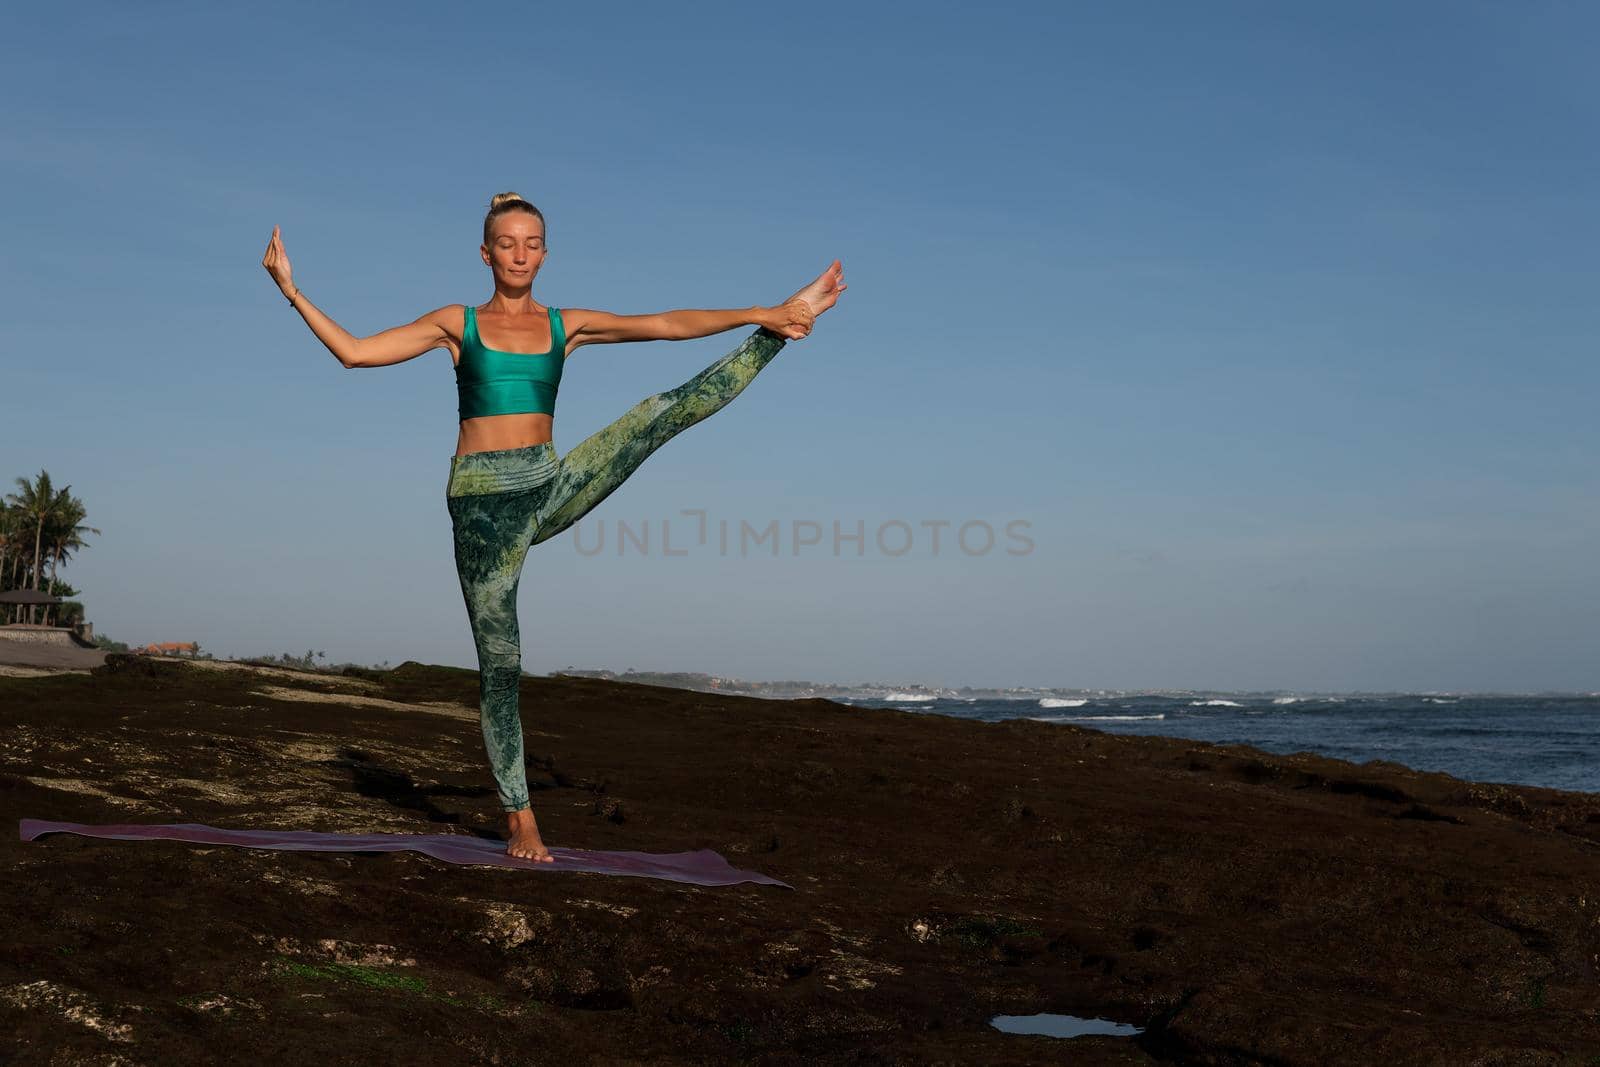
x=909, y=698
x=1053, y=702
x=1092, y=718
x=1215, y=704
x=1287, y=700
x=1438, y=700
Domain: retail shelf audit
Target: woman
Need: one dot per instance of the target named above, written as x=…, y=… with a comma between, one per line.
x=507, y=489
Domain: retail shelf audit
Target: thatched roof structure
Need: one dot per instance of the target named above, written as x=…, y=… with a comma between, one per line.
x=28, y=596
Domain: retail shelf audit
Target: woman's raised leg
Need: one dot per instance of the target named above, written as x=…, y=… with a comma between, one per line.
x=595, y=467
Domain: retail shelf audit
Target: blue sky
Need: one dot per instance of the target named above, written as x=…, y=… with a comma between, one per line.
x=1272, y=325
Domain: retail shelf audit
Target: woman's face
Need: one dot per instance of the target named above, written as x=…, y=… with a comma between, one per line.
x=516, y=251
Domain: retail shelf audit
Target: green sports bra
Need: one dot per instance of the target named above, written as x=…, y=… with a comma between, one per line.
x=491, y=382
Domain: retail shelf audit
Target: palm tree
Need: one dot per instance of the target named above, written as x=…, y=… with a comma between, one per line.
x=64, y=536
x=35, y=502
x=38, y=502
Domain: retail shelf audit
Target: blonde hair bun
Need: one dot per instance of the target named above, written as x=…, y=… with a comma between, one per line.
x=502, y=203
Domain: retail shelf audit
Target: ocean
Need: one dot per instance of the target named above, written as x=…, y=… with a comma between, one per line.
x=1522, y=740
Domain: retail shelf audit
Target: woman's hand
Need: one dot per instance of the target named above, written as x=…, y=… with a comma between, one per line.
x=277, y=263
x=791, y=319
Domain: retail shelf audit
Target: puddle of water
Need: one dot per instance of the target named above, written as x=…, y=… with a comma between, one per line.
x=1061, y=1026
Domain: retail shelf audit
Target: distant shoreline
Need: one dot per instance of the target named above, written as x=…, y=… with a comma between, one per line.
x=710, y=683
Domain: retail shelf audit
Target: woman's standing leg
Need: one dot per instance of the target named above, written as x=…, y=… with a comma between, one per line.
x=595, y=467
x=492, y=499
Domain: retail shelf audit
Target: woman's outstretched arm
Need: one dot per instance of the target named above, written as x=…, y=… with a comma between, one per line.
x=791, y=319
x=381, y=349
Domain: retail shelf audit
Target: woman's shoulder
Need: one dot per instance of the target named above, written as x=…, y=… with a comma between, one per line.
x=451, y=319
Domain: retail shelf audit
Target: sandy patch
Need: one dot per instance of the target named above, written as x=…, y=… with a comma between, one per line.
x=216, y=790
x=303, y=677
x=353, y=953
x=78, y=785
x=624, y=910
x=447, y=708
x=857, y=972
x=220, y=1004
x=68, y=1003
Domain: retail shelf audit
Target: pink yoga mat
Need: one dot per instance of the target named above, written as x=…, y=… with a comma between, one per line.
x=704, y=867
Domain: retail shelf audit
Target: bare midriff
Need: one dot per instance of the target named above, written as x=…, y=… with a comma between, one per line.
x=489, y=433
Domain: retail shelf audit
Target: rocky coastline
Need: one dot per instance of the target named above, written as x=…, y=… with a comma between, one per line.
x=1237, y=906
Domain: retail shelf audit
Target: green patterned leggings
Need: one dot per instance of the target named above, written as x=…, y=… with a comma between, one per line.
x=503, y=502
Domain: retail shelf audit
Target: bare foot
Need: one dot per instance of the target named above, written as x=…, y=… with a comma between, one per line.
x=823, y=293
x=525, y=842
